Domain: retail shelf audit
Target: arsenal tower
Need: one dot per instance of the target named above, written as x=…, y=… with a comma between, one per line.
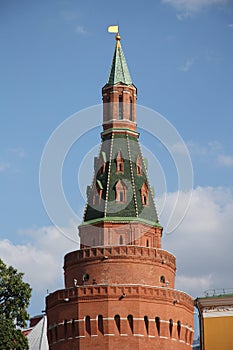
x=120, y=285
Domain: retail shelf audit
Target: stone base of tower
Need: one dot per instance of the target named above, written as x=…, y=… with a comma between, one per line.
x=113, y=317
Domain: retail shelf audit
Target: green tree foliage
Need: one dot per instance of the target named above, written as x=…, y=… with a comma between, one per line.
x=14, y=299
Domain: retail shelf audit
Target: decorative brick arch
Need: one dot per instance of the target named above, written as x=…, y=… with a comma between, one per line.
x=121, y=190
x=139, y=165
x=144, y=194
x=119, y=162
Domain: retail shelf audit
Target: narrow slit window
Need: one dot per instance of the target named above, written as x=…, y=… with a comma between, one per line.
x=120, y=108
x=65, y=329
x=157, y=323
x=146, y=322
x=130, y=109
x=73, y=328
x=101, y=324
x=170, y=327
x=88, y=325
x=130, y=320
x=178, y=328
x=118, y=323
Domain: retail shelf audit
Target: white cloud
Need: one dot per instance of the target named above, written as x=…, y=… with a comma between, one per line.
x=80, y=30
x=187, y=65
x=210, y=148
x=179, y=148
x=186, y=8
x=4, y=167
x=203, y=242
x=212, y=151
x=230, y=25
x=224, y=160
x=19, y=151
x=40, y=259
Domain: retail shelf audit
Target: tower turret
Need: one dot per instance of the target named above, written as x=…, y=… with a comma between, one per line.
x=120, y=198
x=119, y=286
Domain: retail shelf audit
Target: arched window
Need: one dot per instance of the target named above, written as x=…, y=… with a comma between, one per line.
x=162, y=279
x=139, y=165
x=97, y=193
x=157, y=323
x=118, y=322
x=144, y=194
x=100, y=324
x=120, y=188
x=102, y=162
x=73, y=328
x=56, y=333
x=88, y=325
x=119, y=163
x=130, y=321
x=107, y=108
x=147, y=242
x=65, y=329
x=178, y=328
x=170, y=327
x=146, y=322
x=120, y=107
x=130, y=109
x=121, y=240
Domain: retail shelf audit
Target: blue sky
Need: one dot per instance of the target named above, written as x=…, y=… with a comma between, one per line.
x=55, y=58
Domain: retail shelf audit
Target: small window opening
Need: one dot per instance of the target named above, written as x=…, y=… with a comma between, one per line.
x=178, y=328
x=120, y=108
x=147, y=243
x=121, y=195
x=162, y=279
x=139, y=165
x=130, y=321
x=65, y=329
x=146, y=321
x=121, y=240
x=120, y=189
x=100, y=324
x=170, y=327
x=131, y=109
x=157, y=322
x=73, y=328
x=144, y=194
x=144, y=199
x=118, y=322
x=119, y=163
x=88, y=325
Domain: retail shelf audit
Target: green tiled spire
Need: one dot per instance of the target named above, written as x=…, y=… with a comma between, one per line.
x=132, y=209
x=119, y=72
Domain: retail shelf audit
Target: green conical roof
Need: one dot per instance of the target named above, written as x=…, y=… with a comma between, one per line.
x=107, y=179
x=119, y=72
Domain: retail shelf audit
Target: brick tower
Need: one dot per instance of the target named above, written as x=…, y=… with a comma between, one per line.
x=119, y=287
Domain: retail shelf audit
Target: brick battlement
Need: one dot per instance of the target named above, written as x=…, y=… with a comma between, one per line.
x=127, y=252
x=92, y=292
